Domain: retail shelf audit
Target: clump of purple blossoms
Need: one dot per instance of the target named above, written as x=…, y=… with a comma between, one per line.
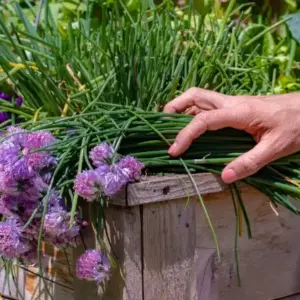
x=25, y=174
x=93, y=265
x=109, y=177
x=19, y=164
x=4, y=116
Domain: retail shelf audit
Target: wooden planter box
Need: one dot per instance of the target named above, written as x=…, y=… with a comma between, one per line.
x=165, y=251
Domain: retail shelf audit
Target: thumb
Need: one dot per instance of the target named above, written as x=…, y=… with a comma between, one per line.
x=250, y=162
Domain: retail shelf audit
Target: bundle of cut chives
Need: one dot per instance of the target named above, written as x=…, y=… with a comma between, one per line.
x=147, y=136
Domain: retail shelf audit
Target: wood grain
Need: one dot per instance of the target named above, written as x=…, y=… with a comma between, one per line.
x=85, y=289
x=125, y=234
x=167, y=188
x=269, y=262
x=207, y=288
x=169, y=238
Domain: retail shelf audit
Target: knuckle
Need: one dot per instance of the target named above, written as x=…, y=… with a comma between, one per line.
x=194, y=91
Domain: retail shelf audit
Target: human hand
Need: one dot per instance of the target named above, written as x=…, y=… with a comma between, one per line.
x=273, y=121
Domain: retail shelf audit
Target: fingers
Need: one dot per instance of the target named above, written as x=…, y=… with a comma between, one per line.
x=193, y=110
x=207, y=120
x=203, y=99
x=250, y=162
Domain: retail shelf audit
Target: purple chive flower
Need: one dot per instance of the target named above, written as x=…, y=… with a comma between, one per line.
x=31, y=193
x=17, y=135
x=37, y=140
x=101, y=153
x=19, y=101
x=133, y=166
x=46, y=177
x=4, y=116
x=4, y=96
x=9, y=206
x=12, y=244
x=93, y=265
x=55, y=202
x=87, y=185
x=57, y=229
x=114, y=179
x=8, y=154
x=8, y=185
x=21, y=170
x=23, y=199
x=30, y=257
x=32, y=189
x=40, y=160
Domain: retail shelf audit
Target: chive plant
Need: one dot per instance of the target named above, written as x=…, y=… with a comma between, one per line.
x=110, y=82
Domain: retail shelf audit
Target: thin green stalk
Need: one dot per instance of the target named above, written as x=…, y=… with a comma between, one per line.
x=244, y=211
x=225, y=19
x=236, y=236
x=262, y=33
x=79, y=169
x=292, y=54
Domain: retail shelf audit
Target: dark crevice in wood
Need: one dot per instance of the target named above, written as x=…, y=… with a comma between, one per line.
x=126, y=197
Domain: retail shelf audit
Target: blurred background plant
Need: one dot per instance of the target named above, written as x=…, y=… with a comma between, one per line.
x=279, y=44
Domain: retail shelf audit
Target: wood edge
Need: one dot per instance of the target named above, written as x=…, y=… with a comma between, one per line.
x=207, y=183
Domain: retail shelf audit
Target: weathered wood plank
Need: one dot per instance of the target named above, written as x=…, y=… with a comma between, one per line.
x=124, y=243
x=204, y=264
x=269, y=262
x=157, y=189
x=85, y=289
x=125, y=234
x=169, y=237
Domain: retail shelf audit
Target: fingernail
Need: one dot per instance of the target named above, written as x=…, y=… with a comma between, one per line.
x=172, y=149
x=229, y=176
